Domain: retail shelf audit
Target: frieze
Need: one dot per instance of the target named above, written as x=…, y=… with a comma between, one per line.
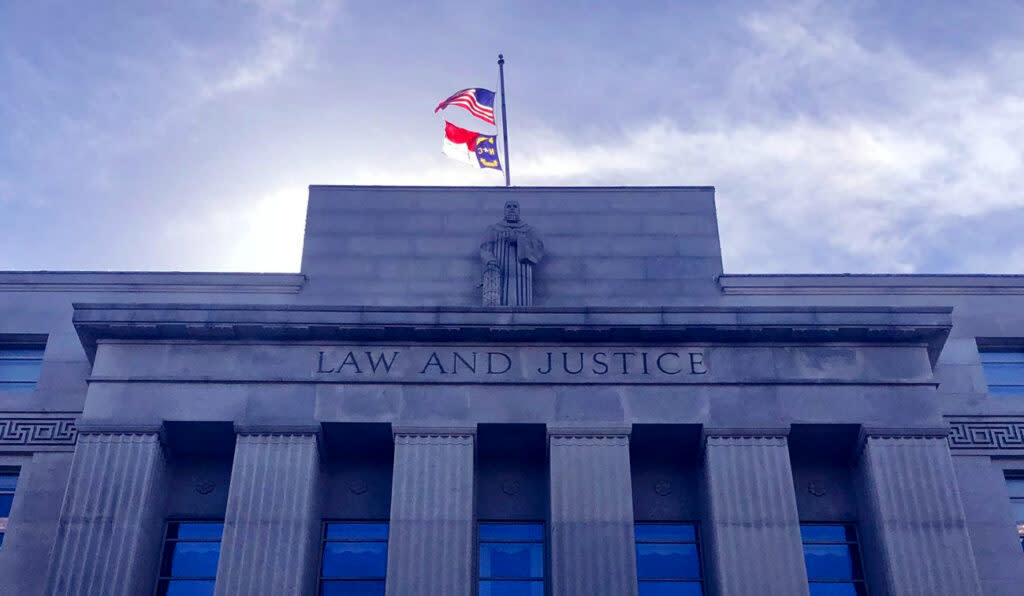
x=35, y=433
x=987, y=434
x=517, y=365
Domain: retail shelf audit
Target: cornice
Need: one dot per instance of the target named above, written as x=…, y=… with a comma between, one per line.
x=141, y=322
x=151, y=282
x=871, y=284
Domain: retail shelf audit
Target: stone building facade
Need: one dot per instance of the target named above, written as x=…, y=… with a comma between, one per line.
x=651, y=425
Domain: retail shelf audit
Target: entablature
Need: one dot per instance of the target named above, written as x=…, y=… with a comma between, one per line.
x=926, y=326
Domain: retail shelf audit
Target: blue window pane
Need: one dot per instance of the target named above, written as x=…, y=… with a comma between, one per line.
x=830, y=561
x=1006, y=389
x=195, y=531
x=1, y=538
x=352, y=588
x=356, y=531
x=19, y=370
x=355, y=559
x=838, y=589
x=5, y=504
x=498, y=588
x=664, y=561
x=1018, y=510
x=1014, y=485
x=1004, y=374
x=17, y=387
x=670, y=589
x=490, y=531
x=511, y=559
x=1002, y=356
x=816, y=533
x=8, y=481
x=186, y=588
x=7, y=354
x=666, y=532
x=192, y=559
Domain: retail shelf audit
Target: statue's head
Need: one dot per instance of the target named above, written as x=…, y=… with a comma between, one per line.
x=512, y=211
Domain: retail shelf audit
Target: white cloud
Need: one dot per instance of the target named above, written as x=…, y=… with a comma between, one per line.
x=856, y=191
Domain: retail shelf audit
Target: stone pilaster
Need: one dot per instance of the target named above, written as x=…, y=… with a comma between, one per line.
x=108, y=537
x=592, y=544
x=915, y=515
x=754, y=538
x=271, y=527
x=430, y=550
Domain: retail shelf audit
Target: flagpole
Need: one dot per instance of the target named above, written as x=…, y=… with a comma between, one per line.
x=504, y=120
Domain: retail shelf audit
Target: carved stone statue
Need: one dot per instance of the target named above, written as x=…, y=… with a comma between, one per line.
x=509, y=252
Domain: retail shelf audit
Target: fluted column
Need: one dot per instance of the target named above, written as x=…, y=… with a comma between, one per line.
x=430, y=550
x=916, y=516
x=755, y=529
x=108, y=537
x=592, y=543
x=271, y=527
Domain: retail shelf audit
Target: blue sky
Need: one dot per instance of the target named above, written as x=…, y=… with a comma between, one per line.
x=841, y=136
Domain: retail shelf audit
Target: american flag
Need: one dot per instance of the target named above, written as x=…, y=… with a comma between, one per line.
x=477, y=101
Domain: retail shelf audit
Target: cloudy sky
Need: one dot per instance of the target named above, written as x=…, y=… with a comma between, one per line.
x=864, y=136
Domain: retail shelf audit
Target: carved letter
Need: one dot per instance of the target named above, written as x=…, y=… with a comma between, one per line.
x=381, y=361
x=456, y=357
x=432, y=361
x=601, y=362
x=625, y=365
x=662, y=368
x=350, y=359
x=697, y=365
x=490, y=363
x=320, y=364
x=565, y=364
x=544, y=372
x=644, y=356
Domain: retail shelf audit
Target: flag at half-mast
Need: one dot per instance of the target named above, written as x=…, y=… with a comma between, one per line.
x=477, y=101
x=470, y=147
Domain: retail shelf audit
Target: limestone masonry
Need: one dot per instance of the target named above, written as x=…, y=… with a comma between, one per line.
x=621, y=417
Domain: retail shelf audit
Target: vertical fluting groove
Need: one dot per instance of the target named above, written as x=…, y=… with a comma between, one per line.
x=917, y=516
x=111, y=511
x=430, y=549
x=753, y=517
x=271, y=515
x=592, y=548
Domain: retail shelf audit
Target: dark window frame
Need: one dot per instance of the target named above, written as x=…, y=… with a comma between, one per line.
x=324, y=540
x=856, y=543
x=9, y=471
x=161, y=578
x=986, y=353
x=1018, y=523
x=697, y=540
x=36, y=344
x=544, y=544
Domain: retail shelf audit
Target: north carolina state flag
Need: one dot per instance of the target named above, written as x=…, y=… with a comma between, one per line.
x=470, y=147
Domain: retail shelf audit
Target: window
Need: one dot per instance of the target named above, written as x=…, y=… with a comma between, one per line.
x=355, y=559
x=668, y=559
x=8, y=481
x=511, y=559
x=1004, y=372
x=19, y=367
x=189, y=563
x=833, y=560
x=1016, y=488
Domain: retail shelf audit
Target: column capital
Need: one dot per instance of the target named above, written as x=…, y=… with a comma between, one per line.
x=426, y=432
x=278, y=429
x=875, y=432
x=105, y=427
x=738, y=435
x=589, y=432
